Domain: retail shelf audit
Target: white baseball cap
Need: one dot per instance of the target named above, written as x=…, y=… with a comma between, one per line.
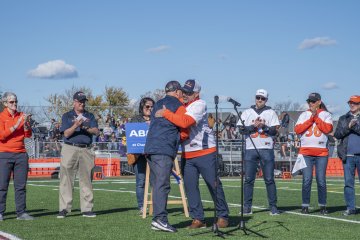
x=262, y=92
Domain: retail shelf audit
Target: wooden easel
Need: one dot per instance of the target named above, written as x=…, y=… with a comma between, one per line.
x=148, y=202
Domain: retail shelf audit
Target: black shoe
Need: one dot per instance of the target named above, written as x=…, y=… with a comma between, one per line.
x=349, y=212
x=163, y=226
x=62, y=214
x=89, y=214
x=323, y=210
x=305, y=210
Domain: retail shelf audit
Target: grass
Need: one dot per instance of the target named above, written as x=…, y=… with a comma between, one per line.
x=117, y=215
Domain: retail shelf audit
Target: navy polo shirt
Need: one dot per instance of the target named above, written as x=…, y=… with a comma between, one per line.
x=80, y=136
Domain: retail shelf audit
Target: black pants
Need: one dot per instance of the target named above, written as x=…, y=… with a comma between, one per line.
x=16, y=163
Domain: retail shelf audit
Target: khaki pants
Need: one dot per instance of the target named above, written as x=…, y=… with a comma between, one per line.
x=76, y=159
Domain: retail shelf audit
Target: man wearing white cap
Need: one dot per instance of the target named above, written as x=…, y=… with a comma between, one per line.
x=261, y=126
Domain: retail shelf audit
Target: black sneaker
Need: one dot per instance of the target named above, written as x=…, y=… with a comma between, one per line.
x=349, y=212
x=323, y=210
x=62, y=214
x=163, y=226
x=305, y=210
x=89, y=214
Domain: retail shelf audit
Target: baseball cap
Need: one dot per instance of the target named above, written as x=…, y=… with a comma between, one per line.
x=314, y=97
x=172, y=86
x=262, y=92
x=80, y=96
x=355, y=99
x=191, y=86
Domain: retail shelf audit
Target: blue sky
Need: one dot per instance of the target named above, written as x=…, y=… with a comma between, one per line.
x=290, y=48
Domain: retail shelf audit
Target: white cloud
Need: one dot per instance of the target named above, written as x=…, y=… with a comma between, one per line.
x=316, y=42
x=56, y=69
x=330, y=86
x=161, y=48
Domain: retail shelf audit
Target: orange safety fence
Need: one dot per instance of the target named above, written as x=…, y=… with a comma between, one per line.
x=46, y=167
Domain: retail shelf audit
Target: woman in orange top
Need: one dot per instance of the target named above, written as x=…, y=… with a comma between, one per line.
x=313, y=125
x=14, y=127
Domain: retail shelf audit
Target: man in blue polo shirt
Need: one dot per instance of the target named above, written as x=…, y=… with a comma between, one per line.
x=78, y=127
x=162, y=144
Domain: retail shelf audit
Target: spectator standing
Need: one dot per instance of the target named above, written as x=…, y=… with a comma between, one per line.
x=14, y=128
x=113, y=142
x=78, y=127
x=107, y=130
x=348, y=132
x=261, y=125
x=284, y=120
x=145, y=107
x=313, y=125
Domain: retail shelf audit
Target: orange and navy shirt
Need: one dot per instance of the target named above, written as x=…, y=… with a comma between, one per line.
x=313, y=130
x=12, y=141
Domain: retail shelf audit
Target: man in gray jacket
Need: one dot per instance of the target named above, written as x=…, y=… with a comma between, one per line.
x=348, y=132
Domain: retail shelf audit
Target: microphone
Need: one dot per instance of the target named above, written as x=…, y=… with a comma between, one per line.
x=216, y=99
x=236, y=103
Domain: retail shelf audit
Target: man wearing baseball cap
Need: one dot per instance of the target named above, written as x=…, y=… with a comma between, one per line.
x=261, y=127
x=348, y=132
x=161, y=147
x=199, y=156
x=78, y=127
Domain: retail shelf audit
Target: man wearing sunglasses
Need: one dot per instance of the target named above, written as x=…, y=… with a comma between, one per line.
x=261, y=127
x=348, y=132
x=78, y=127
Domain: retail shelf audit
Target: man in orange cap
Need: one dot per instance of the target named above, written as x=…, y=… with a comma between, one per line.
x=348, y=132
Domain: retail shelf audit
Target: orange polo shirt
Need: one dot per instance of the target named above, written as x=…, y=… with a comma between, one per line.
x=12, y=142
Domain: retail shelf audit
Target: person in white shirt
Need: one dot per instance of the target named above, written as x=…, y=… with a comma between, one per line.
x=261, y=126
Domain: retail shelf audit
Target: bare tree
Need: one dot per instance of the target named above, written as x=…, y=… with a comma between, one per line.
x=287, y=106
x=157, y=94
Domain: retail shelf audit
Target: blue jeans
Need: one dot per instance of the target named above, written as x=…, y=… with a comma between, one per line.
x=140, y=173
x=204, y=165
x=267, y=164
x=320, y=164
x=349, y=177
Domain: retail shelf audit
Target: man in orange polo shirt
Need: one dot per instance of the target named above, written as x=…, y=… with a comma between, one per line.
x=14, y=127
x=199, y=156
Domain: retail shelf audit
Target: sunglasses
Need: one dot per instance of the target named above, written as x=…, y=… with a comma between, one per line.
x=12, y=102
x=261, y=98
x=354, y=103
x=310, y=101
x=148, y=106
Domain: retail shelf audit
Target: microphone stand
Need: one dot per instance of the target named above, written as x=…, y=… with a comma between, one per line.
x=242, y=221
x=215, y=228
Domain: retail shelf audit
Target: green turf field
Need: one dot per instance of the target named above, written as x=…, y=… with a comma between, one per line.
x=117, y=216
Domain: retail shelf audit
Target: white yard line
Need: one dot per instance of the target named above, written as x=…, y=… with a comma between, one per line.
x=230, y=204
x=8, y=236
